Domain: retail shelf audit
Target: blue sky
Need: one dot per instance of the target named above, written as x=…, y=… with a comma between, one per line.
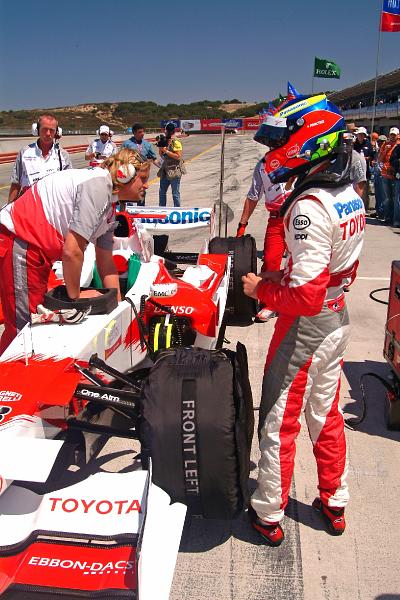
x=60, y=53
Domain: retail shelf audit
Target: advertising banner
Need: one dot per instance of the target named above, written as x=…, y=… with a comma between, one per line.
x=210, y=124
x=251, y=123
x=176, y=122
x=190, y=125
x=233, y=123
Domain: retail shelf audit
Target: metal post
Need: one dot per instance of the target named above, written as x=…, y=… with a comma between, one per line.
x=221, y=180
x=377, y=69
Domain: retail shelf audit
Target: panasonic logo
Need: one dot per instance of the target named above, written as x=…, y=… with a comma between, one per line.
x=94, y=568
x=101, y=507
x=182, y=217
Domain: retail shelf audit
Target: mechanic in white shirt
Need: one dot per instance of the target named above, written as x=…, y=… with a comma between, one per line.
x=39, y=159
x=101, y=148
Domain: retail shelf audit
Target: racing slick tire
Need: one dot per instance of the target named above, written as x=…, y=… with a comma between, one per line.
x=240, y=310
x=197, y=426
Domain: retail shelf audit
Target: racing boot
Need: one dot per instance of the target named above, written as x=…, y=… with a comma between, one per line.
x=333, y=517
x=272, y=533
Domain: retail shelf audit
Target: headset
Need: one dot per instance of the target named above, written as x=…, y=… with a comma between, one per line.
x=126, y=173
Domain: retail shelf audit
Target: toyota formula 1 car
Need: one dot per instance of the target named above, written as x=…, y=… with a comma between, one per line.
x=74, y=378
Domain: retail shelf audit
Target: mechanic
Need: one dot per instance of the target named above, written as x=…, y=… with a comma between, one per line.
x=324, y=221
x=55, y=219
x=274, y=240
x=101, y=147
x=172, y=167
x=39, y=159
x=363, y=146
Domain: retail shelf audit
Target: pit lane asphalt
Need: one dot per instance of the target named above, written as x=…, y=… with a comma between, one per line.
x=226, y=560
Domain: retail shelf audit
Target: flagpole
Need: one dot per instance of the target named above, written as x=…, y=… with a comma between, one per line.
x=377, y=68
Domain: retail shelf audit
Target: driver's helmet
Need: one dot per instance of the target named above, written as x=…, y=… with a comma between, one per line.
x=302, y=133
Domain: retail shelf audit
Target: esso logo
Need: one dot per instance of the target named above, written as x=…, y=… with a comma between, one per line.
x=293, y=151
x=301, y=222
x=274, y=164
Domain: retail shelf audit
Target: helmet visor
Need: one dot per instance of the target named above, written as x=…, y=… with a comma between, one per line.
x=273, y=132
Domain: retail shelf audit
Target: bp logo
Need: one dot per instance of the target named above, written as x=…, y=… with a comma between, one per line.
x=301, y=222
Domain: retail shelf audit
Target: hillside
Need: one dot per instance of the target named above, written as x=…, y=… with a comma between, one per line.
x=120, y=115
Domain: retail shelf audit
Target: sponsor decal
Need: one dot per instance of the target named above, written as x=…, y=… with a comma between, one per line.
x=101, y=507
x=301, y=222
x=355, y=225
x=275, y=164
x=9, y=396
x=94, y=568
x=97, y=396
x=163, y=290
x=177, y=310
x=293, y=151
x=183, y=217
x=113, y=338
x=301, y=236
x=347, y=208
x=4, y=411
x=315, y=124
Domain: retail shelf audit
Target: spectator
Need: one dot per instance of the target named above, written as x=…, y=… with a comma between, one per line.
x=388, y=178
x=395, y=164
x=101, y=148
x=172, y=167
x=377, y=175
x=358, y=173
x=40, y=158
x=145, y=148
x=363, y=146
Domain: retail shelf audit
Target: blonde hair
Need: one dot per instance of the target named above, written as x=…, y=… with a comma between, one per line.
x=125, y=156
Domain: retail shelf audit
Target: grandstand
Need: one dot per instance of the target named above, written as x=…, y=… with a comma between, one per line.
x=356, y=102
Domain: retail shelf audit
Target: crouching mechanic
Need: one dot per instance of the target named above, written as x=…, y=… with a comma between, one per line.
x=274, y=194
x=324, y=221
x=54, y=220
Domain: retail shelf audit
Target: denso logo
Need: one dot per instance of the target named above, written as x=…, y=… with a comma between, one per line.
x=9, y=396
x=183, y=217
x=293, y=151
x=177, y=310
x=101, y=507
x=89, y=568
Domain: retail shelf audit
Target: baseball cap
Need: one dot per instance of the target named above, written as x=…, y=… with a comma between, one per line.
x=382, y=138
x=394, y=130
x=361, y=130
x=104, y=129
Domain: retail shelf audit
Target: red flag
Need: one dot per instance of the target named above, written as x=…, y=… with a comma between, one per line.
x=390, y=17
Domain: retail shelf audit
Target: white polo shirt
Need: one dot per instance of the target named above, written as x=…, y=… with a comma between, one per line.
x=31, y=166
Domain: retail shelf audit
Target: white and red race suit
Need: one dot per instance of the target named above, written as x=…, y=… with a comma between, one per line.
x=275, y=194
x=324, y=234
x=32, y=234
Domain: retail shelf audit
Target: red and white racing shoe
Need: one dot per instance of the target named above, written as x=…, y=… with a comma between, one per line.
x=333, y=517
x=272, y=533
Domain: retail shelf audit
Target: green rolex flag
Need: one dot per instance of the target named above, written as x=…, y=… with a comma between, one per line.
x=326, y=68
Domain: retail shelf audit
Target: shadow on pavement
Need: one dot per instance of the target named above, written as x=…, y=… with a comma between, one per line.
x=388, y=597
x=375, y=422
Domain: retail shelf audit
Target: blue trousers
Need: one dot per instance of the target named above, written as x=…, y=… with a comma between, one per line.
x=396, y=218
x=378, y=193
x=388, y=200
x=164, y=185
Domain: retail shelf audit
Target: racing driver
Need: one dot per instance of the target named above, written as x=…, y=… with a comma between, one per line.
x=324, y=222
x=54, y=220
